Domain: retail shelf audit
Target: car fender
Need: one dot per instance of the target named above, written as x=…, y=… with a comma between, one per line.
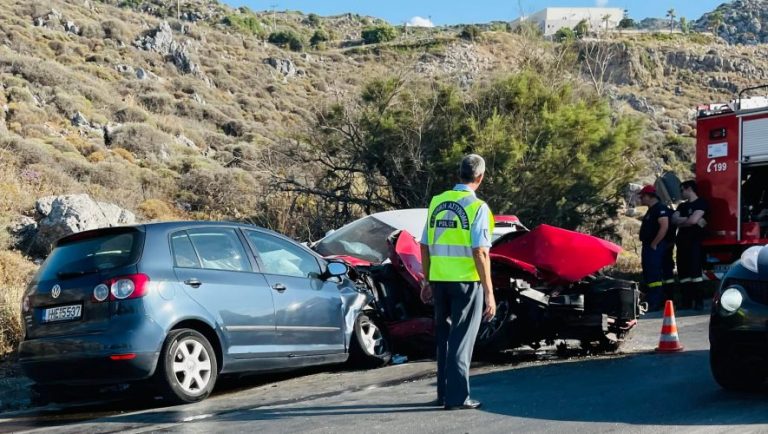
x=353, y=302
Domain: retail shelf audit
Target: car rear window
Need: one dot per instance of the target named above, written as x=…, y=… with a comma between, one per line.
x=92, y=254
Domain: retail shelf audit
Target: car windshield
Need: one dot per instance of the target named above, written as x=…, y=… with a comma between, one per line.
x=92, y=255
x=364, y=239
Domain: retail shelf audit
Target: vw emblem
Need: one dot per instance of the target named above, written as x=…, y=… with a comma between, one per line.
x=56, y=291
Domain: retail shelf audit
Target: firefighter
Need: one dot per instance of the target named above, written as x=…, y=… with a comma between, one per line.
x=690, y=218
x=668, y=263
x=653, y=233
x=455, y=257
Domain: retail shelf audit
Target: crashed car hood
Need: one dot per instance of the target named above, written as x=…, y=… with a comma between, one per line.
x=559, y=254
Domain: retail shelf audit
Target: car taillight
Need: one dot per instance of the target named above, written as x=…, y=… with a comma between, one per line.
x=122, y=288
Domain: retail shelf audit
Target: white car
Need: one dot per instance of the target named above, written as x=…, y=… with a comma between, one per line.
x=370, y=233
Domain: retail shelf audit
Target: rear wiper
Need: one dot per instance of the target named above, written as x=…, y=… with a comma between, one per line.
x=68, y=274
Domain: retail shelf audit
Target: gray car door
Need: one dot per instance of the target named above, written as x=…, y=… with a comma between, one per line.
x=308, y=310
x=214, y=269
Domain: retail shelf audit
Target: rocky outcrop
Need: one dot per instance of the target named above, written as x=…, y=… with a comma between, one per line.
x=55, y=20
x=742, y=22
x=286, y=67
x=161, y=40
x=59, y=216
x=461, y=60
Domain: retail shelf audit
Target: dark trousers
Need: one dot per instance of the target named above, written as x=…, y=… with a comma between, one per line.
x=668, y=271
x=653, y=273
x=689, y=269
x=458, y=312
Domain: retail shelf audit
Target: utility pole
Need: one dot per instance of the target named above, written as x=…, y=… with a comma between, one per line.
x=178, y=10
x=274, y=17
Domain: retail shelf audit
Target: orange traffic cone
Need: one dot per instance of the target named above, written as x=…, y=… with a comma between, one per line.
x=669, y=341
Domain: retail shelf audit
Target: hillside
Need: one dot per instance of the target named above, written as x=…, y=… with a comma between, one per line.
x=191, y=118
x=738, y=22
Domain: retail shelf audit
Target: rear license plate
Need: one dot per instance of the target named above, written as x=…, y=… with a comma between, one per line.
x=62, y=313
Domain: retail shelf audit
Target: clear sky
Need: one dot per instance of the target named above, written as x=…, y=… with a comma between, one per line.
x=474, y=11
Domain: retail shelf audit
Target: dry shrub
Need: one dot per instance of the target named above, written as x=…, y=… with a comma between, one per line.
x=19, y=94
x=124, y=154
x=130, y=114
x=69, y=105
x=97, y=157
x=160, y=103
x=83, y=144
x=156, y=209
x=141, y=139
x=116, y=175
x=15, y=273
x=220, y=192
x=21, y=115
x=117, y=31
x=91, y=30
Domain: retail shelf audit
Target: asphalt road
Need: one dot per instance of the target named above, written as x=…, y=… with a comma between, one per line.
x=638, y=391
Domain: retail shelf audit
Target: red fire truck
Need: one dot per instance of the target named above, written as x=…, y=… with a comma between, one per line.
x=732, y=174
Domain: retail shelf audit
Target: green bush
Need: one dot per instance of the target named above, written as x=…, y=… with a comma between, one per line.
x=379, y=34
x=313, y=20
x=320, y=36
x=287, y=38
x=565, y=34
x=470, y=33
x=246, y=23
x=582, y=29
x=627, y=23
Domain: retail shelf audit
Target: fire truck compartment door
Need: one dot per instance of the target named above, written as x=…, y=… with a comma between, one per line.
x=755, y=140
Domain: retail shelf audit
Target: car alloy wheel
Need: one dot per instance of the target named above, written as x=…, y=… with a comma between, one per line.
x=371, y=338
x=188, y=368
x=192, y=366
x=369, y=347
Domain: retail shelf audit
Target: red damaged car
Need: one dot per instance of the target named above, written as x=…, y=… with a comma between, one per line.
x=546, y=281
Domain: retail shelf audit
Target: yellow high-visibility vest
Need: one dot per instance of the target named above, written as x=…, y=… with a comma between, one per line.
x=450, y=218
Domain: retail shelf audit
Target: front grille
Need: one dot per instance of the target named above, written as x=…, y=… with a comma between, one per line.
x=756, y=290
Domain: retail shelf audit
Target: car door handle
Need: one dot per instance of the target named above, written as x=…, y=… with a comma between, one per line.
x=279, y=287
x=195, y=283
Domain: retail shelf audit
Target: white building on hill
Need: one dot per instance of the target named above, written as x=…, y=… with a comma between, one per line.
x=550, y=20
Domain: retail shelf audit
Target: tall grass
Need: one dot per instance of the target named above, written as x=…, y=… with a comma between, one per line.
x=15, y=272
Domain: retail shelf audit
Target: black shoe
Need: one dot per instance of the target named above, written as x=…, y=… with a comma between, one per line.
x=469, y=404
x=439, y=402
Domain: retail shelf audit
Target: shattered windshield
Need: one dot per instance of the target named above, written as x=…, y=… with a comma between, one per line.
x=364, y=239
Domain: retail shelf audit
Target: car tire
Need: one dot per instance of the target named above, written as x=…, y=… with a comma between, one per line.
x=187, y=368
x=492, y=335
x=369, y=346
x=733, y=374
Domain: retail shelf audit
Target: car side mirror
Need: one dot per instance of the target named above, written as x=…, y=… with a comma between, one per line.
x=336, y=269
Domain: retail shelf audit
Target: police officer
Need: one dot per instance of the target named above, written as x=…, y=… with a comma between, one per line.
x=653, y=233
x=690, y=218
x=455, y=256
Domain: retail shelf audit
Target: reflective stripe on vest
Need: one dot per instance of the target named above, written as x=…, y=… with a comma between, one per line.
x=450, y=218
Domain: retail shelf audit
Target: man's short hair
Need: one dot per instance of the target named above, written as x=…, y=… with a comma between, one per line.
x=690, y=184
x=472, y=166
